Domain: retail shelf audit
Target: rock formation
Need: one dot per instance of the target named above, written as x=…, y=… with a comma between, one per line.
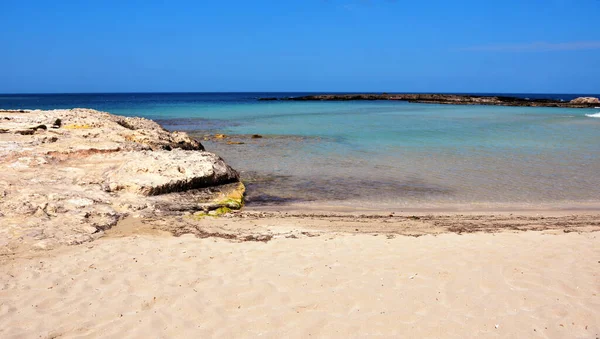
x=68, y=175
x=585, y=100
x=452, y=99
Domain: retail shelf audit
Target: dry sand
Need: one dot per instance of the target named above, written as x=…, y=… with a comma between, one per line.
x=343, y=276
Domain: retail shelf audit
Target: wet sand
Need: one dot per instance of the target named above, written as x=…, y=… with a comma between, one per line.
x=290, y=274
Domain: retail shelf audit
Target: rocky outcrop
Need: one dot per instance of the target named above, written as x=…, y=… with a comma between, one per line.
x=68, y=175
x=93, y=129
x=452, y=99
x=155, y=173
x=585, y=100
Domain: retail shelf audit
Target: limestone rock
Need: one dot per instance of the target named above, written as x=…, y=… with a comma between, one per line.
x=69, y=175
x=155, y=173
x=84, y=129
x=585, y=100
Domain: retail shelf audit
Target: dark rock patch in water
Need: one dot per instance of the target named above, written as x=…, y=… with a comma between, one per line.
x=269, y=189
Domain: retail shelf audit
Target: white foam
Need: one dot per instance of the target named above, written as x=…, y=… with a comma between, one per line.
x=595, y=115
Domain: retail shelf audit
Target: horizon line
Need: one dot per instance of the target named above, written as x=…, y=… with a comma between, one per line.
x=283, y=92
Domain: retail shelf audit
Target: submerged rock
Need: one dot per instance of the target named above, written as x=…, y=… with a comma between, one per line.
x=68, y=183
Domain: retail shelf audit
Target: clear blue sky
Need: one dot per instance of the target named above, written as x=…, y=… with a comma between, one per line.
x=300, y=45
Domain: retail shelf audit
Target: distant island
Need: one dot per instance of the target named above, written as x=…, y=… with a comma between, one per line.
x=450, y=99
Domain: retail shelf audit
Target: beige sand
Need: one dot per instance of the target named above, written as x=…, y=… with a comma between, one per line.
x=534, y=284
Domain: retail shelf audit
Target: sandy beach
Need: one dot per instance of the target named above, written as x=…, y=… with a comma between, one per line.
x=115, y=227
x=314, y=276
x=299, y=169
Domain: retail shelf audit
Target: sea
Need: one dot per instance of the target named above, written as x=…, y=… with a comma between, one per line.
x=377, y=154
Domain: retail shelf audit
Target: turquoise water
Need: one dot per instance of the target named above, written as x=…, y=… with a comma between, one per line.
x=379, y=153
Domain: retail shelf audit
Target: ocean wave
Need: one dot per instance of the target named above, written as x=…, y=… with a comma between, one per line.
x=595, y=115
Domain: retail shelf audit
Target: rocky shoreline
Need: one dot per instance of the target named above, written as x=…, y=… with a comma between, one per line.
x=69, y=175
x=450, y=99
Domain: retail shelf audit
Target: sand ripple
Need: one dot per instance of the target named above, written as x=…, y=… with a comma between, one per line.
x=475, y=285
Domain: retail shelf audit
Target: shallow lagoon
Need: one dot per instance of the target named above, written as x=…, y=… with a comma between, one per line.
x=378, y=153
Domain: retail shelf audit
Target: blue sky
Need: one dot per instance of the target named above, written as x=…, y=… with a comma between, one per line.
x=300, y=45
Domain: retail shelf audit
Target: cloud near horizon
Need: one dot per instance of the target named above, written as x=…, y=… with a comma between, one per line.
x=536, y=47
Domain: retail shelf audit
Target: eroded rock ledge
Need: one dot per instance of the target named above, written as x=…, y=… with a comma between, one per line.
x=451, y=99
x=68, y=175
